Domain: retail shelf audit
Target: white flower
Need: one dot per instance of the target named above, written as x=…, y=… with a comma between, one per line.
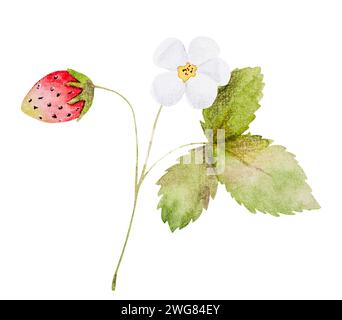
x=197, y=73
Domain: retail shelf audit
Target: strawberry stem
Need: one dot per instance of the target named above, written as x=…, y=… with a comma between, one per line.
x=144, y=172
x=137, y=189
x=135, y=130
x=137, y=182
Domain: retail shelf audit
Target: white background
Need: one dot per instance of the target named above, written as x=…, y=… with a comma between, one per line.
x=66, y=190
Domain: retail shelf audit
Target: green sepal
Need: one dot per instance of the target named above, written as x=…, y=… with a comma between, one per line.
x=87, y=94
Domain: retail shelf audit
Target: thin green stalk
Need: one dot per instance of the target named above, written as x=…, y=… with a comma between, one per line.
x=135, y=130
x=138, y=181
x=137, y=189
x=150, y=145
x=126, y=240
x=170, y=152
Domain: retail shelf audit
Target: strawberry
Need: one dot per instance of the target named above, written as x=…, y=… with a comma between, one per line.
x=60, y=96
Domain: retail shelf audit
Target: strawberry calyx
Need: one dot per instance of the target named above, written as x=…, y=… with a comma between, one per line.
x=87, y=94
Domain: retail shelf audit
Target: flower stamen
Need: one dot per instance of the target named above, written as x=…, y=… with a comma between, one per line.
x=187, y=71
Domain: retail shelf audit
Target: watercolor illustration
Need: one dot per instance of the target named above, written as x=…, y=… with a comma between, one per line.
x=258, y=174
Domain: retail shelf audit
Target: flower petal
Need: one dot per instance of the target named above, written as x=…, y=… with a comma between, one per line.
x=170, y=54
x=201, y=91
x=202, y=49
x=217, y=70
x=168, y=89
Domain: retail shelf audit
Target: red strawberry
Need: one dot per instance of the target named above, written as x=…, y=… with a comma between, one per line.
x=60, y=96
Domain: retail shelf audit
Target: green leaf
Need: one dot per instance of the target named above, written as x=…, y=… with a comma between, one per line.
x=186, y=190
x=265, y=177
x=236, y=103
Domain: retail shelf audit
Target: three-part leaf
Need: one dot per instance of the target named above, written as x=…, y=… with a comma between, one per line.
x=261, y=176
x=186, y=190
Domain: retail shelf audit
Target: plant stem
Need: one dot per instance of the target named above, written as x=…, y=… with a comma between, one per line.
x=137, y=189
x=126, y=240
x=135, y=130
x=171, y=151
x=144, y=172
x=142, y=176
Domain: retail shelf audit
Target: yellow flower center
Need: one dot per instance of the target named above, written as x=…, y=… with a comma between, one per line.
x=187, y=71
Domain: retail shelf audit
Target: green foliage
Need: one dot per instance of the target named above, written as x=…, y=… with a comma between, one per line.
x=265, y=178
x=236, y=103
x=185, y=190
x=261, y=176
